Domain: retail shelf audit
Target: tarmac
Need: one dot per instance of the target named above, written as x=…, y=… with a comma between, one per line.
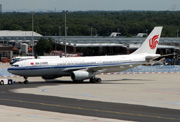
x=4, y=65
x=155, y=90
x=10, y=114
x=151, y=90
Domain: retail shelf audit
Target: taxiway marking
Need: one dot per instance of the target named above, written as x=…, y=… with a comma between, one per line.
x=80, y=108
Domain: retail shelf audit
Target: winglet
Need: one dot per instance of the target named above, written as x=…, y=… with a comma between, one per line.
x=150, y=44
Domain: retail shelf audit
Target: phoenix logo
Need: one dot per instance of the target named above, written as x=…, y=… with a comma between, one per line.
x=153, y=41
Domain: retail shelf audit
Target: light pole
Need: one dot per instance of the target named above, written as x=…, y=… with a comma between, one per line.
x=91, y=32
x=59, y=37
x=65, y=12
x=118, y=32
x=59, y=31
x=32, y=33
x=177, y=33
x=147, y=32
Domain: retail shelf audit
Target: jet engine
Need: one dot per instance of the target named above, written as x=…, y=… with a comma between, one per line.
x=81, y=75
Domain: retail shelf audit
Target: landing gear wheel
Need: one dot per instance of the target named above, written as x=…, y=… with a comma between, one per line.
x=95, y=80
x=98, y=80
x=2, y=82
x=10, y=82
x=26, y=81
x=92, y=80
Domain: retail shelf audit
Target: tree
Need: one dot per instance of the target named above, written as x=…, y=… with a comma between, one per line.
x=102, y=22
x=44, y=46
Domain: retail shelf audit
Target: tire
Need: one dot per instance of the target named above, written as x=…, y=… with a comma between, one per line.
x=2, y=82
x=98, y=80
x=95, y=80
x=92, y=80
x=10, y=82
x=26, y=82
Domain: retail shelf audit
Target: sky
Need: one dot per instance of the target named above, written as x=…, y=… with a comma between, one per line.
x=86, y=5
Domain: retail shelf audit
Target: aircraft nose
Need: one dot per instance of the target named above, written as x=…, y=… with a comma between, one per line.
x=10, y=70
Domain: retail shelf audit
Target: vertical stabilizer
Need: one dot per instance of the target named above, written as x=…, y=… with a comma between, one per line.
x=150, y=44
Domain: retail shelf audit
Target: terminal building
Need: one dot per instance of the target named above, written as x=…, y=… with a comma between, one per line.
x=112, y=46
x=82, y=45
x=11, y=43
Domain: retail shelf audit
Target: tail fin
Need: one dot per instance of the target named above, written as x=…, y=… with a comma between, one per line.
x=150, y=44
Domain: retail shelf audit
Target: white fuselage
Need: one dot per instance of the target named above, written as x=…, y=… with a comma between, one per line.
x=61, y=66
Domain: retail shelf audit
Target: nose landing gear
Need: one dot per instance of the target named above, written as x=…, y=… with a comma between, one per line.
x=25, y=80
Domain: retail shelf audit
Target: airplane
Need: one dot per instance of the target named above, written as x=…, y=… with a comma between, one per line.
x=82, y=68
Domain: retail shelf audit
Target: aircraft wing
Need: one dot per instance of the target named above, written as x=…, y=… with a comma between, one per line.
x=101, y=69
x=105, y=69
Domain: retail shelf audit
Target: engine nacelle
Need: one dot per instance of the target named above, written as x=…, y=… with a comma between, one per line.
x=81, y=75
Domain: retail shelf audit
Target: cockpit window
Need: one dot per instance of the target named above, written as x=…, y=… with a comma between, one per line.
x=15, y=65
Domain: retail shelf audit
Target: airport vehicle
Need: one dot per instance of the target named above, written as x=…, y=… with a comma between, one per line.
x=82, y=68
x=6, y=82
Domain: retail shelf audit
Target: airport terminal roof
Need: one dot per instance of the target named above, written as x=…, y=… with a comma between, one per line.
x=135, y=46
x=130, y=46
x=115, y=40
x=18, y=33
x=94, y=44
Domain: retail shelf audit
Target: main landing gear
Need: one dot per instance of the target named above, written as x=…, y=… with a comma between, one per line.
x=25, y=80
x=91, y=80
x=95, y=80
